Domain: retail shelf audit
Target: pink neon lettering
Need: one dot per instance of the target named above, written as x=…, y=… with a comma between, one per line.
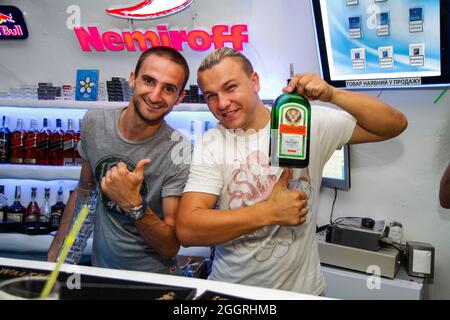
x=199, y=40
x=86, y=39
x=4, y=31
x=164, y=36
x=113, y=41
x=203, y=36
x=130, y=38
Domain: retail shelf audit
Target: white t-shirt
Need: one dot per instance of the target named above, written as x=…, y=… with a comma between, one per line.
x=236, y=168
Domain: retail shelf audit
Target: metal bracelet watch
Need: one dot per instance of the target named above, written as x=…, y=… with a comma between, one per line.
x=137, y=213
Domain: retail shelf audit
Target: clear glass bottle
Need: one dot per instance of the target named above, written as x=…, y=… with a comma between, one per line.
x=46, y=213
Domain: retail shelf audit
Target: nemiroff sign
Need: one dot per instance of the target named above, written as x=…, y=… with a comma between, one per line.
x=12, y=24
x=92, y=38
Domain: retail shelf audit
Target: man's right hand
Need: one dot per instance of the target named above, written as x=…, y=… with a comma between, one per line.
x=286, y=207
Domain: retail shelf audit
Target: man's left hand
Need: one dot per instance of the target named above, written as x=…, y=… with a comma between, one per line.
x=123, y=186
x=311, y=86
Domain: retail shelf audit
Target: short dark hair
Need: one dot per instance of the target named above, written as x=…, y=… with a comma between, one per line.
x=165, y=52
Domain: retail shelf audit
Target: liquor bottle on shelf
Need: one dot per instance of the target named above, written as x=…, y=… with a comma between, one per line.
x=43, y=144
x=5, y=136
x=69, y=142
x=3, y=205
x=46, y=213
x=76, y=139
x=57, y=145
x=56, y=211
x=31, y=143
x=17, y=140
x=32, y=214
x=207, y=126
x=16, y=211
x=193, y=135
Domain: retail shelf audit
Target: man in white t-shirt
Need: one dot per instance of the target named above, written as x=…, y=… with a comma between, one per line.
x=261, y=219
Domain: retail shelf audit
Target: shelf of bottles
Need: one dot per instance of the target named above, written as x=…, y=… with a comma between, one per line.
x=55, y=168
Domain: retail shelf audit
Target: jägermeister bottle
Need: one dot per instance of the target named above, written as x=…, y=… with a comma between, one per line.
x=290, y=131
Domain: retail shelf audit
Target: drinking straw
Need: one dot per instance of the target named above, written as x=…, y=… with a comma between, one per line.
x=64, y=252
x=441, y=95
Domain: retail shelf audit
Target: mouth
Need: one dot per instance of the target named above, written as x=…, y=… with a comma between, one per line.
x=229, y=114
x=152, y=105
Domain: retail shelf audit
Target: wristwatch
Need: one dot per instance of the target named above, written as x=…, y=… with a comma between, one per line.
x=137, y=213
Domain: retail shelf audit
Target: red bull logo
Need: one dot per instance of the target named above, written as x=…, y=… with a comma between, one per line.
x=15, y=31
x=6, y=18
x=12, y=24
x=151, y=9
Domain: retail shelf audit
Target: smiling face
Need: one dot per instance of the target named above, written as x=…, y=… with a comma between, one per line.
x=231, y=94
x=156, y=88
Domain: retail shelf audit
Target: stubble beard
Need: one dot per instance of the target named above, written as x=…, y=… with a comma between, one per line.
x=143, y=118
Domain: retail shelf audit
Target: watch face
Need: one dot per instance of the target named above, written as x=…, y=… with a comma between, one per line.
x=138, y=213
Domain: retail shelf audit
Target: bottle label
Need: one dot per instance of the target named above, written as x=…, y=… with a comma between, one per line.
x=4, y=149
x=43, y=218
x=42, y=144
x=55, y=219
x=68, y=144
x=56, y=145
x=30, y=142
x=14, y=217
x=293, y=131
x=31, y=218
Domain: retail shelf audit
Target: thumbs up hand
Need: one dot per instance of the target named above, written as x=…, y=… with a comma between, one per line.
x=286, y=207
x=123, y=186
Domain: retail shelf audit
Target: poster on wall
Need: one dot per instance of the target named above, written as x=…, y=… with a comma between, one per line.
x=12, y=24
x=87, y=85
x=383, y=43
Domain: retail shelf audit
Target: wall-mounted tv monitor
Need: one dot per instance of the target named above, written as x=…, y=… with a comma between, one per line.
x=336, y=173
x=383, y=43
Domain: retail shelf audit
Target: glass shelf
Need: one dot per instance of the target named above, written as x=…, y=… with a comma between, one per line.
x=70, y=104
x=36, y=172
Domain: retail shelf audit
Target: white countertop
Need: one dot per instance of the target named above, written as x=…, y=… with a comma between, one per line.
x=201, y=285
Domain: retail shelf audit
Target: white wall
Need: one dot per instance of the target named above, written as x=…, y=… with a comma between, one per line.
x=394, y=180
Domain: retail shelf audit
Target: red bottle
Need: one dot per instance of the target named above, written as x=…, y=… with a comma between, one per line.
x=43, y=144
x=69, y=142
x=17, y=140
x=77, y=158
x=31, y=143
x=32, y=214
x=57, y=145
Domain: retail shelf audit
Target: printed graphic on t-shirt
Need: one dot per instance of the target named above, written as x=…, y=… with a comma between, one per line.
x=102, y=167
x=252, y=182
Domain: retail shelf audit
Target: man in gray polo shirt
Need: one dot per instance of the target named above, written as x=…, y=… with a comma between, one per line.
x=128, y=153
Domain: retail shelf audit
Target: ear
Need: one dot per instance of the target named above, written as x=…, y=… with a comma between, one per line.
x=255, y=82
x=180, y=97
x=131, y=80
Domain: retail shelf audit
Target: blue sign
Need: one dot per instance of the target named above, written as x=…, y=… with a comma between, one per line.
x=87, y=85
